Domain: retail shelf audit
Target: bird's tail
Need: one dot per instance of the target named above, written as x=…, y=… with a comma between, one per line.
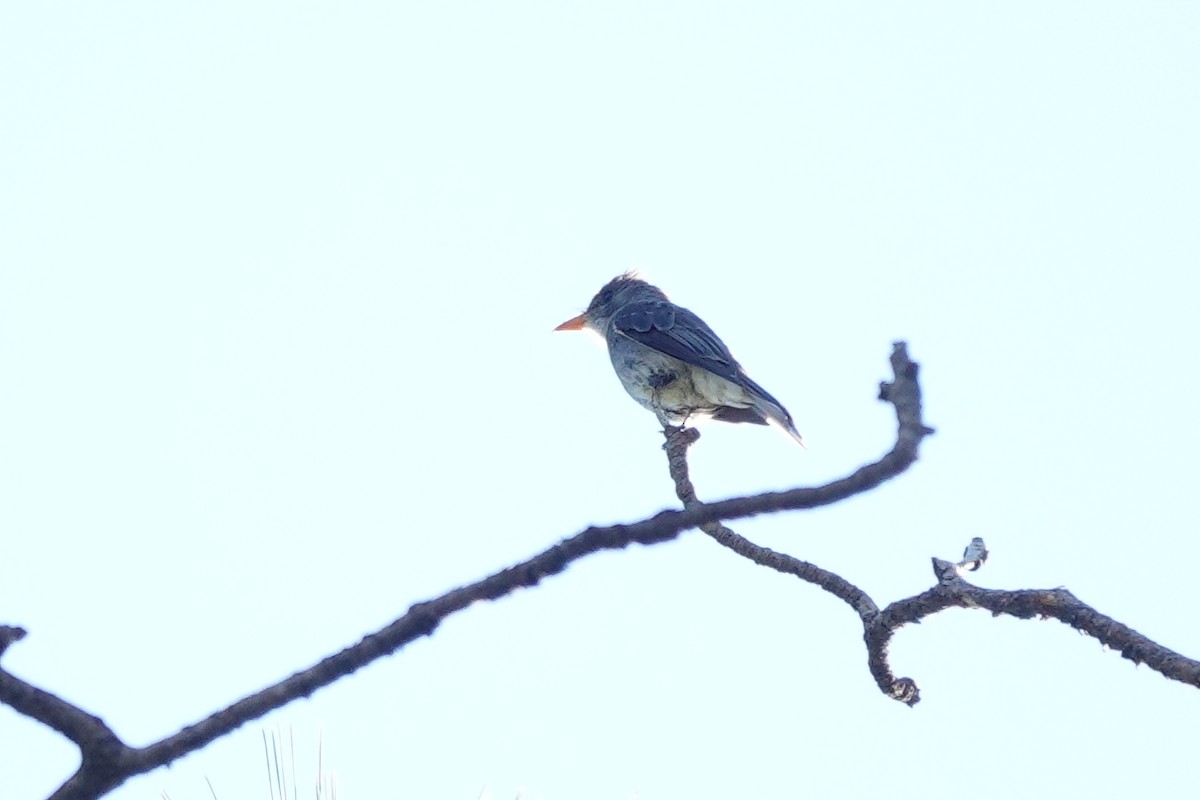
x=790, y=430
x=772, y=410
x=783, y=421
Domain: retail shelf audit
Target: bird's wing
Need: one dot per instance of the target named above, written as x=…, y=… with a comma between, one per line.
x=677, y=332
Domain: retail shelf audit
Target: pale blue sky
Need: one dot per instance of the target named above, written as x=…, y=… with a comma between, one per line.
x=276, y=290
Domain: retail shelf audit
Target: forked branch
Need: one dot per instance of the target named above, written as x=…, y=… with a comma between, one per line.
x=951, y=589
x=106, y=761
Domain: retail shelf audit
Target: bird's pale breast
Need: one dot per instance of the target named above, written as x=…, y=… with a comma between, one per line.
x=663, y=383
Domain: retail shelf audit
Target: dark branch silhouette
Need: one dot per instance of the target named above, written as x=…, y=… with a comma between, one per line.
x=106, y=761
x=951, y=589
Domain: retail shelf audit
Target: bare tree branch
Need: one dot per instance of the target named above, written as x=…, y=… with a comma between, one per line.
x=951, y=590
x=106, y=761
x=905, y=394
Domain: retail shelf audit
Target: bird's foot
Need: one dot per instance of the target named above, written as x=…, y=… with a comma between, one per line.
x=679, y=435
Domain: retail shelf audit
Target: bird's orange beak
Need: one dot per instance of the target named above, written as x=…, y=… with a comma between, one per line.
x=574, y=323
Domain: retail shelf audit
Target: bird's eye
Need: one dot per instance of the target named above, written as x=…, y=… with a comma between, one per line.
x=603, y=298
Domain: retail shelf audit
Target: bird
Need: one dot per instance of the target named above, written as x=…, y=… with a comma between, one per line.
x=671, y=362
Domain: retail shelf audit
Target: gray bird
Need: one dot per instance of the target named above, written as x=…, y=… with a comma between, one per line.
x=671, y=362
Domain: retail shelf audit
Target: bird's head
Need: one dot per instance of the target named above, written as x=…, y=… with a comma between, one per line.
x=614, y=295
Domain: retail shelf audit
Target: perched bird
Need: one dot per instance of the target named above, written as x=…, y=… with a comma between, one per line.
x=671, y=362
